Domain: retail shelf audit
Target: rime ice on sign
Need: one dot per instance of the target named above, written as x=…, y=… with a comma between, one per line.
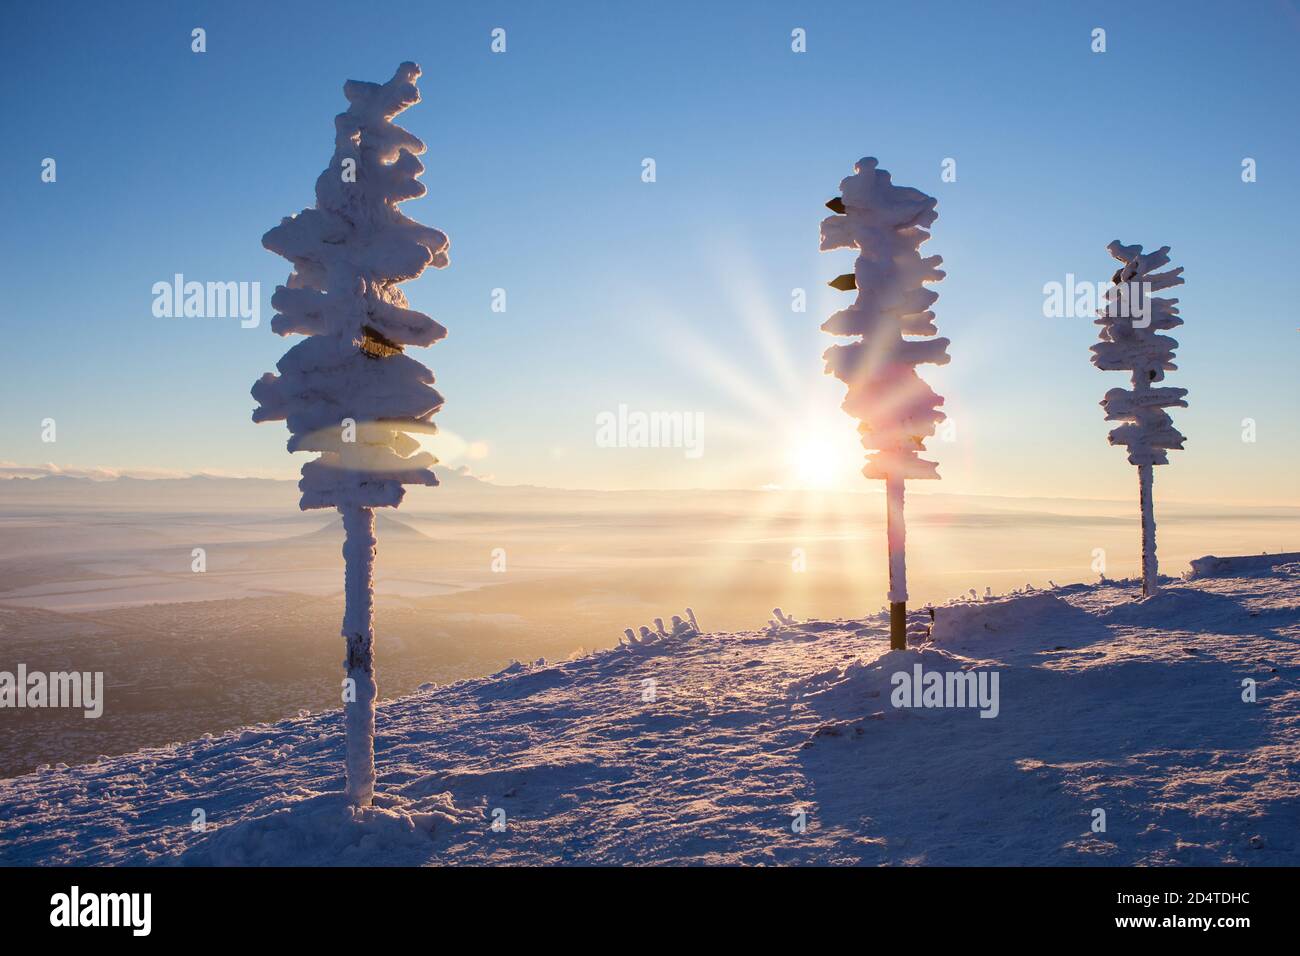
x=898, y=411
x=895, y=331
x=1148, y=431
x=1131, y=341
x=348, y=390
x=349, y=254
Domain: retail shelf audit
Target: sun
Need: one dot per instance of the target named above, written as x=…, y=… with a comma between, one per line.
x=815, y=463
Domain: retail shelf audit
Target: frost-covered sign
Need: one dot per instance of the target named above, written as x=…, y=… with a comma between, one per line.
x=895, y=332
x=1131, y=322
x=349, y=391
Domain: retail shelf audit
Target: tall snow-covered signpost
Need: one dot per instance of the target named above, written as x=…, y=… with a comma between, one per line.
x=348, y=391
x=897, y=411
x=1130, y=323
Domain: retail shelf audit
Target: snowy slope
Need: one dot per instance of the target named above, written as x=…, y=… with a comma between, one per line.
x=1104, y=703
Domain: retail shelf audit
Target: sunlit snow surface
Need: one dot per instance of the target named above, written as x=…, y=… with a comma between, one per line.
x=1133, y=708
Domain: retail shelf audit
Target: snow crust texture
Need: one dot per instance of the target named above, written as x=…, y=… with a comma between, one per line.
x=708, y=748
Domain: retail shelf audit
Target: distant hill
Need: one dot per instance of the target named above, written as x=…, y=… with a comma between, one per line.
x=458, y=491
x=387, y=530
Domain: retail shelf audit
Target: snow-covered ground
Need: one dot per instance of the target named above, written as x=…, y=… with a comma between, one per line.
x=708, y=748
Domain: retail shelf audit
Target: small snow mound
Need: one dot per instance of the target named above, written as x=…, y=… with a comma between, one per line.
x=861, y=680
x=323, y=829
x=967, y=620
x=1239, y=566
x=1174, y=607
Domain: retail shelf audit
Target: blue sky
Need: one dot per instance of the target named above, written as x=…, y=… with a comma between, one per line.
x=672, y=295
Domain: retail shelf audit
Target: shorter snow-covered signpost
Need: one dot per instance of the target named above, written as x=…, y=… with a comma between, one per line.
x=348, y=390
x=1131, y=321
x=897, y=411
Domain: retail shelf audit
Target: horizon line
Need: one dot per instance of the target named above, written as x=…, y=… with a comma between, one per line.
x=105, y=475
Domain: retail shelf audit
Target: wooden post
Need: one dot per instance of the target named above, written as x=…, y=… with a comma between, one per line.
x=897, y=625
x=1149, y=582
x=896, y=533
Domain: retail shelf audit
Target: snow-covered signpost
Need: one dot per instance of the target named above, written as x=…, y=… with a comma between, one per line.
x=896, y=409
x=1130, y=323
x=348, y=391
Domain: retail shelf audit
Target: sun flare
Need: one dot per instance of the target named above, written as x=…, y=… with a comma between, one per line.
x=815, y=463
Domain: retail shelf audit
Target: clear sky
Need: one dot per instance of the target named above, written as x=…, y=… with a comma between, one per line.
x=673, y=295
